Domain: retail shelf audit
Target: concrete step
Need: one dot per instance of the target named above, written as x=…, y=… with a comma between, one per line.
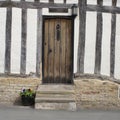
x=57, y=100
x=55, y=97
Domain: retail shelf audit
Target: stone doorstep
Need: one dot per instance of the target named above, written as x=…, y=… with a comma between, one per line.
x=56, y=100
x=55, y=88
x=55, y=97
x=71, y=106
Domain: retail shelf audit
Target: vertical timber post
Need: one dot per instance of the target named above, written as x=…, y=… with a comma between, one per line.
x=81, y=44
x=98, y=40
x=113, y=33
x=39, y=43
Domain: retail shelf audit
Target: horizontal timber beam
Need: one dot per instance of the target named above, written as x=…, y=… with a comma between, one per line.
x=33, y=5
x=38, y=5
x=106, y=9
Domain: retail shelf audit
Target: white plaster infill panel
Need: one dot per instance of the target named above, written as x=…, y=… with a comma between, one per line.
x=29, y=0
x=76, y=37
x=16, y=0
x=58, y=1
x=117, y=48
x=31, y=41
x=72, y=1
x=92, y=2
x=45, y=11
x=118, y=3
x=107, y=2
x=105, y=57
x=2, y=38
x=44, y=1
x=90, y=42
x=16, y=40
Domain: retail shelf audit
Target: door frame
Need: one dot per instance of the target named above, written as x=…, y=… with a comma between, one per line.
x=58, y=17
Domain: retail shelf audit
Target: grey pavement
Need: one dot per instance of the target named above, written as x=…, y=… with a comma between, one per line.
x=27, y=113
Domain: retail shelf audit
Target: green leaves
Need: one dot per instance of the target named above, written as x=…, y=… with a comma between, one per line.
x=27, y=92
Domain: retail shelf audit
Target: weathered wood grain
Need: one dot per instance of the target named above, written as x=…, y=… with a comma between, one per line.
x=81, y=44
x=8, y=40
x=103, y=9
x=69, y=55
x=112, y=47
x=51, y=54
x=58, y=10
x=51, y=1
x=57, y=55
x=62, y=49
x=58, y=51
x=23, y=42
x=33, y=5
x=39, y=43
x=98, y=41
x=45, y=44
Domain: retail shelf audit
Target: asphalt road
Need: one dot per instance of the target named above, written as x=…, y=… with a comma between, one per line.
x=19, y=113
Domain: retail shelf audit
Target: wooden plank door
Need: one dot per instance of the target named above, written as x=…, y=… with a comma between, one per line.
x=58, y=51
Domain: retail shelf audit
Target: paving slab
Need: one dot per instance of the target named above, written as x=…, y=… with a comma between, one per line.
x=29, y=113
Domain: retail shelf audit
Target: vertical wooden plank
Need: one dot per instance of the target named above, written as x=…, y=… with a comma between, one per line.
x=51, y=50
x=8, y=40
x=62, y=50
x=45, y=60
x=57, y=56
x=81, y=44
x=39, y=43
x=23, y=42
x=113, y=33
x=98, y=40
x=69, y=51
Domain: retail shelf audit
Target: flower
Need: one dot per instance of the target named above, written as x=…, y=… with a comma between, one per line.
x=27, y=93
x=27, y=97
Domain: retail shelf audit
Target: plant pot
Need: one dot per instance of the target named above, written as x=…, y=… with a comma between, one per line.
x=27, y=100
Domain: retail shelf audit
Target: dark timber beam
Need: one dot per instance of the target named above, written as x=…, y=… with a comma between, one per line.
x=51, y=1
x=81, y=44
x=37, y=0
x=39, y=43
x=33, y=5
x=98, y=40
x=64, y=1
x=23, y=42
x=104, y=9
x=8, y=40
x=113, y=34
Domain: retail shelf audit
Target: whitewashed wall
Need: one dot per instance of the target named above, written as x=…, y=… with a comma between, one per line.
x=90, y=42
x=90, y=39
x=2, y=38
x=31, y=40
x=105, y=62
x=117, y=50
x=16, y=40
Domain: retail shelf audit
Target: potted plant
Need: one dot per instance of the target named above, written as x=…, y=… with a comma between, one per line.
x=27, y=97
